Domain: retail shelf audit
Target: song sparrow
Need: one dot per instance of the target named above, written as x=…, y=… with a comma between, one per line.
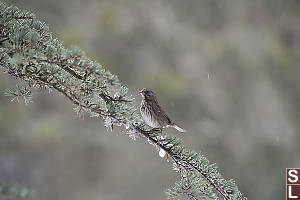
x=153, y=114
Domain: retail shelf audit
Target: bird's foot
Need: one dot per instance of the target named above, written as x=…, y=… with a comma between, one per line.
x=156, y=131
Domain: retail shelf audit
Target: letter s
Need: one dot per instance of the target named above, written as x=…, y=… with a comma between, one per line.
x=293, y=176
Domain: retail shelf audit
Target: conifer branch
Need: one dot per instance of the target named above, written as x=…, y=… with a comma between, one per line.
x=29, y=52
x=16, y=192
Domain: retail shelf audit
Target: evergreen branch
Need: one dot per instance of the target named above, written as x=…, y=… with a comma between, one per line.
x=16, y=191
x=29, y=53
x=178, y=159
x=3, y=39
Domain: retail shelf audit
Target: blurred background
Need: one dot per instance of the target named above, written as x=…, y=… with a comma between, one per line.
x=227, y=71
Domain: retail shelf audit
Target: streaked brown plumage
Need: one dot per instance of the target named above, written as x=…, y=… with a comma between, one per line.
x=153, y=114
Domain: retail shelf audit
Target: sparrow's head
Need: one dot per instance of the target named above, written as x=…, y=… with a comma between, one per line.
x=147, y=94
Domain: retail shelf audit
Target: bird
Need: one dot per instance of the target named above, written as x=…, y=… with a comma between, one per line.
x=152, y=114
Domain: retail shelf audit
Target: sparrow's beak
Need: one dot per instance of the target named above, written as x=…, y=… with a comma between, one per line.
x=141, y=93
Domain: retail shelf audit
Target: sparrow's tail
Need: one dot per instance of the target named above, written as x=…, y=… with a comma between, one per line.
x=178, y=128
